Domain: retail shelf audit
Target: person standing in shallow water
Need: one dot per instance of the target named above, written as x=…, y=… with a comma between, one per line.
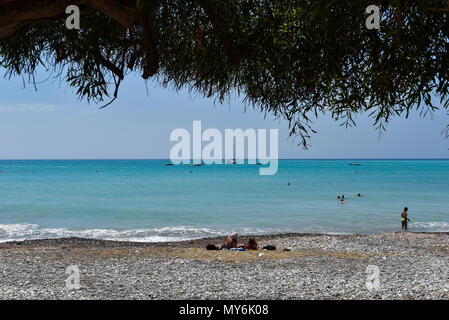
x=404, y=218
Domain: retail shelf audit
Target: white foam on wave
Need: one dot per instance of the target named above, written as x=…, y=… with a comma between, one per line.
x=432, y=226
x=18, y=229
x=24, y=231
x=16, y=232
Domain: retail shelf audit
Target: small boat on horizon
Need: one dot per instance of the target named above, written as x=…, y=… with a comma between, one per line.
x=195, y=164
x=355, y=164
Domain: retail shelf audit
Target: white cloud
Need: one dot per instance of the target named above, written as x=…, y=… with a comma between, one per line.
x=30, y=108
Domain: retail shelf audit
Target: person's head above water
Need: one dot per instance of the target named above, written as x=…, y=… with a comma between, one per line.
x=405, y=209
x=338, y=197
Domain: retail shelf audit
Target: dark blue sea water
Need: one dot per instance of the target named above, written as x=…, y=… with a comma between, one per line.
x=144, y=200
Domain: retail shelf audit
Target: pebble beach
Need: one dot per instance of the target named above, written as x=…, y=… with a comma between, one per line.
x=402, y=265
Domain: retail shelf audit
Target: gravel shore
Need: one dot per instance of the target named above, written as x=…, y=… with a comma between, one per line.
x=410, y=266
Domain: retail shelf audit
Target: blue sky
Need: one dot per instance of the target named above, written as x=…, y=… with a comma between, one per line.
x=53, y=124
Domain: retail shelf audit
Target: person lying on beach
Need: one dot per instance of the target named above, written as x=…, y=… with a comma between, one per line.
x=231, y=242
x=404, y=218
x=251, y=244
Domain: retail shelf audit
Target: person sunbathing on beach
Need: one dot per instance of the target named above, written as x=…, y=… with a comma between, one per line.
x=251, y=244
x=404, y=218
x=231, y=242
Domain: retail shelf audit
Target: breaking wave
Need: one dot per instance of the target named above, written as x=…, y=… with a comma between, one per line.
x=23, y=231
x=430, y=226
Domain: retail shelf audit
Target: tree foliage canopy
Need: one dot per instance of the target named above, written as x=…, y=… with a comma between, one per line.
x=292, y=58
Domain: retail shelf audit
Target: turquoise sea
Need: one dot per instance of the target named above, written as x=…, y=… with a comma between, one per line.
x=144, y=200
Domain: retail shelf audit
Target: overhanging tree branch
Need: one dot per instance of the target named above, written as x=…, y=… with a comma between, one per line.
x=294, y=59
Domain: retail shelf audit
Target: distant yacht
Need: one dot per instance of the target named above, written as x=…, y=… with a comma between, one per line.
x=355, y=164
x=195, y=165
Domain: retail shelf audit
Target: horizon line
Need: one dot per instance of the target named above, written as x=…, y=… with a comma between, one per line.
x=166, y=159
